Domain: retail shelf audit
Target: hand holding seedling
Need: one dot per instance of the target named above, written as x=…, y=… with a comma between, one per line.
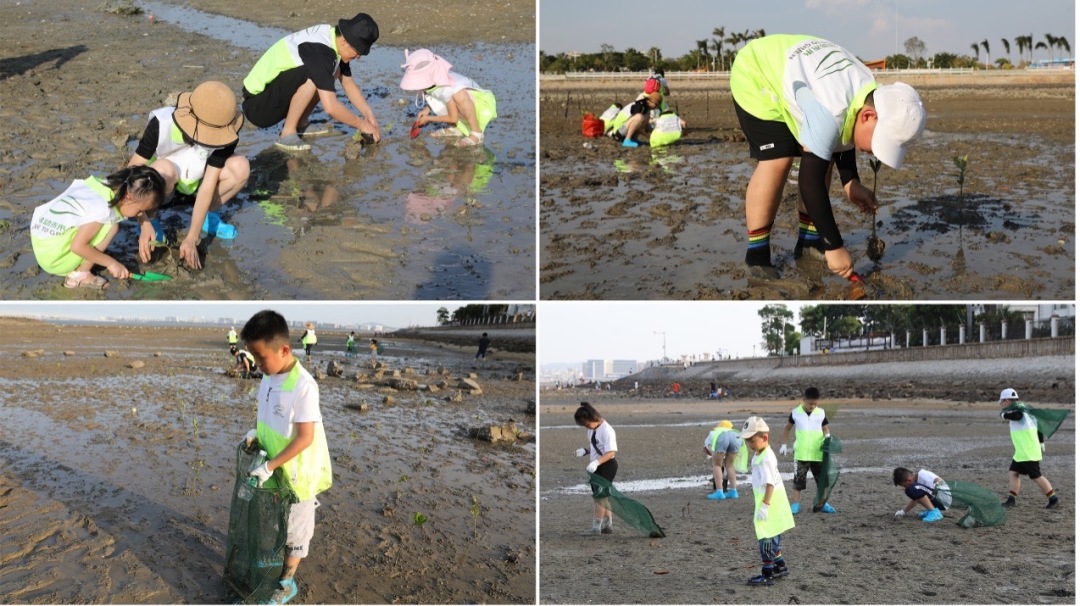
x=840, y=262
x=860, y=196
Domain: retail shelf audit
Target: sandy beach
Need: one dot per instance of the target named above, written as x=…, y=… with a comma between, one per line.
x=117, y=481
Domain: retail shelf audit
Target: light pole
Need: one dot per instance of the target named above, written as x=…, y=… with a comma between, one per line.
x=660, y=332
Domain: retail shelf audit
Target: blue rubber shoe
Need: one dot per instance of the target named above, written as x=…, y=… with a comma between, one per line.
x=629, y=143
x=731, y=494
x=933, y=516
x=159, y=231
x=794, y=508
x=285, y=593
x=826, y=508
x=717, y=496
x=922, y=514
x=213, y=224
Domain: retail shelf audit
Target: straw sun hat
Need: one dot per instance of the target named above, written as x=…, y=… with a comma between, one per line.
x=208, y=115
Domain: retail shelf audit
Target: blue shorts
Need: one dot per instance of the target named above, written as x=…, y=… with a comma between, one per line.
x=729, y=441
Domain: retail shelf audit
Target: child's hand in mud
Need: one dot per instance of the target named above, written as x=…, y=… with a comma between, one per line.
x=840, y=262
x=117, y=270
x=423, y=117
x=860, y=196
x=371, y=128
x=189, y=252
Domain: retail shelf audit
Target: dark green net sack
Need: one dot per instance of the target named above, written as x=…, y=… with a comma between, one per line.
x=630, y=511
x=830, y=470
x=255, y=548
x=983, y=506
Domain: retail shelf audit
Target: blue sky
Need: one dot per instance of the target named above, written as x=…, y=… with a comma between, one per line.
x=872, y=29
x=574, y=332
x=391, y=314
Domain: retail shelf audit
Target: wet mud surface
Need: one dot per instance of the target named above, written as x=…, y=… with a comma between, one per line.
x=407, y=219
x=670, y=223
x=116, y=482
x=858, y=556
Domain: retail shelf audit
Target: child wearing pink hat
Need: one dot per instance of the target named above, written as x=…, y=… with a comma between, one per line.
x=450, y=97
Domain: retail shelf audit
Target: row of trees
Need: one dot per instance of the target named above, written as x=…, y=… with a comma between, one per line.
x=717, y=52
x=780, y=336
x=470, y=312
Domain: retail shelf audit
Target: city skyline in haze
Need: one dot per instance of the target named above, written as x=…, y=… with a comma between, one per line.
x=871, y=30
x=397, y=315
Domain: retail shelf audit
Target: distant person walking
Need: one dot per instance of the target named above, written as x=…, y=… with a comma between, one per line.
x=309, y=340
x=374, y=349
x=481, y=352
x=1028, y=444
x=233, y=337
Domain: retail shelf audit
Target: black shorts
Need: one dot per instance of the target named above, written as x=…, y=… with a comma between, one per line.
x=271, y=105
x=606, y=471
x=1026, y=468
x=801, y=467
x=768, y=140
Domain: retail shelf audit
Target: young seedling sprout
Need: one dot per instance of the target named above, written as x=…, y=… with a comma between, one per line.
x=961, y=163
x=475, y=509
x=875, y=247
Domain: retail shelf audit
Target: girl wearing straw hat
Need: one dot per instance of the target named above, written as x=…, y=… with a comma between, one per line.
x=193, y=146
x=450, y=98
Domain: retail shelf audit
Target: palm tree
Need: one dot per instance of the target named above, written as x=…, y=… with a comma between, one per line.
x=703, y=48
x=986, y=47
x=718, y=45
x=1063, y=42
x=1043, y=45
x=1021, y=44
x=1051, y=42
x=1008, y=50
x=975, y=47
x=654, y=56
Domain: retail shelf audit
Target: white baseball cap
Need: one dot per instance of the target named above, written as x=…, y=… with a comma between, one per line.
x=1009, y=394
x=752, y=426
x=901, y=118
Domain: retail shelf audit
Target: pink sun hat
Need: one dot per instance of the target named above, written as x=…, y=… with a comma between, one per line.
x=424, y=69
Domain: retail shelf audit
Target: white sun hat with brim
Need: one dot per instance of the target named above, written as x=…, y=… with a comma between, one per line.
x=901, y=118
x=1009, y=394
x=424, y=69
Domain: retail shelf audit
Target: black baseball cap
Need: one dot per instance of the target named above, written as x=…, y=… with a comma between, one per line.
x=360, y=32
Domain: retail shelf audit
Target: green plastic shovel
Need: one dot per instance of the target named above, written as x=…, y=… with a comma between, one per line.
x=151, y=277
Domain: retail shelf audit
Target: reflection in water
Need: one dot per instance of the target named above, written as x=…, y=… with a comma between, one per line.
x=451, y=175
x=295, y=180
x=661, y=157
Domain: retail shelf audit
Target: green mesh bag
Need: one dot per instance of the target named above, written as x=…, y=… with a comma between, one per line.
x=255, y=548
x=630, y=511
x=830, y=471
x=983, y=506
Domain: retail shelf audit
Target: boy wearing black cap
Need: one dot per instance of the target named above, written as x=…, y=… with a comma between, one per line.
x=298, y=72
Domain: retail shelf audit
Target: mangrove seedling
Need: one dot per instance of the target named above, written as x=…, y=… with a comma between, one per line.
x=419, y=519
x=961, y=164
x=475, y=510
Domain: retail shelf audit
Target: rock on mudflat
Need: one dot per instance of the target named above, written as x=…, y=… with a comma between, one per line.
x=136, y=364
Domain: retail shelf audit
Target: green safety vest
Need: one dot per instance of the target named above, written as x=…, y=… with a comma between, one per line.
x=808, y=433
x=667, y=130
x=309, y=472
x=767, y=71
x=780, y=518
x=1025, y=439
x=285, y=55
x=232, y=337
x=309, y=338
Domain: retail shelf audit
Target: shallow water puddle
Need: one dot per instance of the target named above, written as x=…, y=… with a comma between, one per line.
x=685, y=482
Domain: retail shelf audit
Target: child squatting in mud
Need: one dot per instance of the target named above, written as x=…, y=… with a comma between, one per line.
x=70, y=233
x=290, y=429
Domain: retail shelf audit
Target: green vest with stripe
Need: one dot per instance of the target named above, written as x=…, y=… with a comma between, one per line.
x=768, y=71
x=309, y=472
x=1025, y=439
x=808, y=433
x=780, y=518
x=285, y=55
x=189, y=159
x=309, y=338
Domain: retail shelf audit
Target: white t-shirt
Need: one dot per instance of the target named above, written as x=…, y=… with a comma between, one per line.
x=765, y=471
x=926, y=478
x=601, y=441
x=281, y=414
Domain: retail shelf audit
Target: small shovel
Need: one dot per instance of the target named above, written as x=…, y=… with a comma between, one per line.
x=151, y=276
x=415, y=132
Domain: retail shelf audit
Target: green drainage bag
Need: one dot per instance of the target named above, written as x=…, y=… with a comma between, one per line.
x=983, y=506
x=830, y=471
x=630, y=511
